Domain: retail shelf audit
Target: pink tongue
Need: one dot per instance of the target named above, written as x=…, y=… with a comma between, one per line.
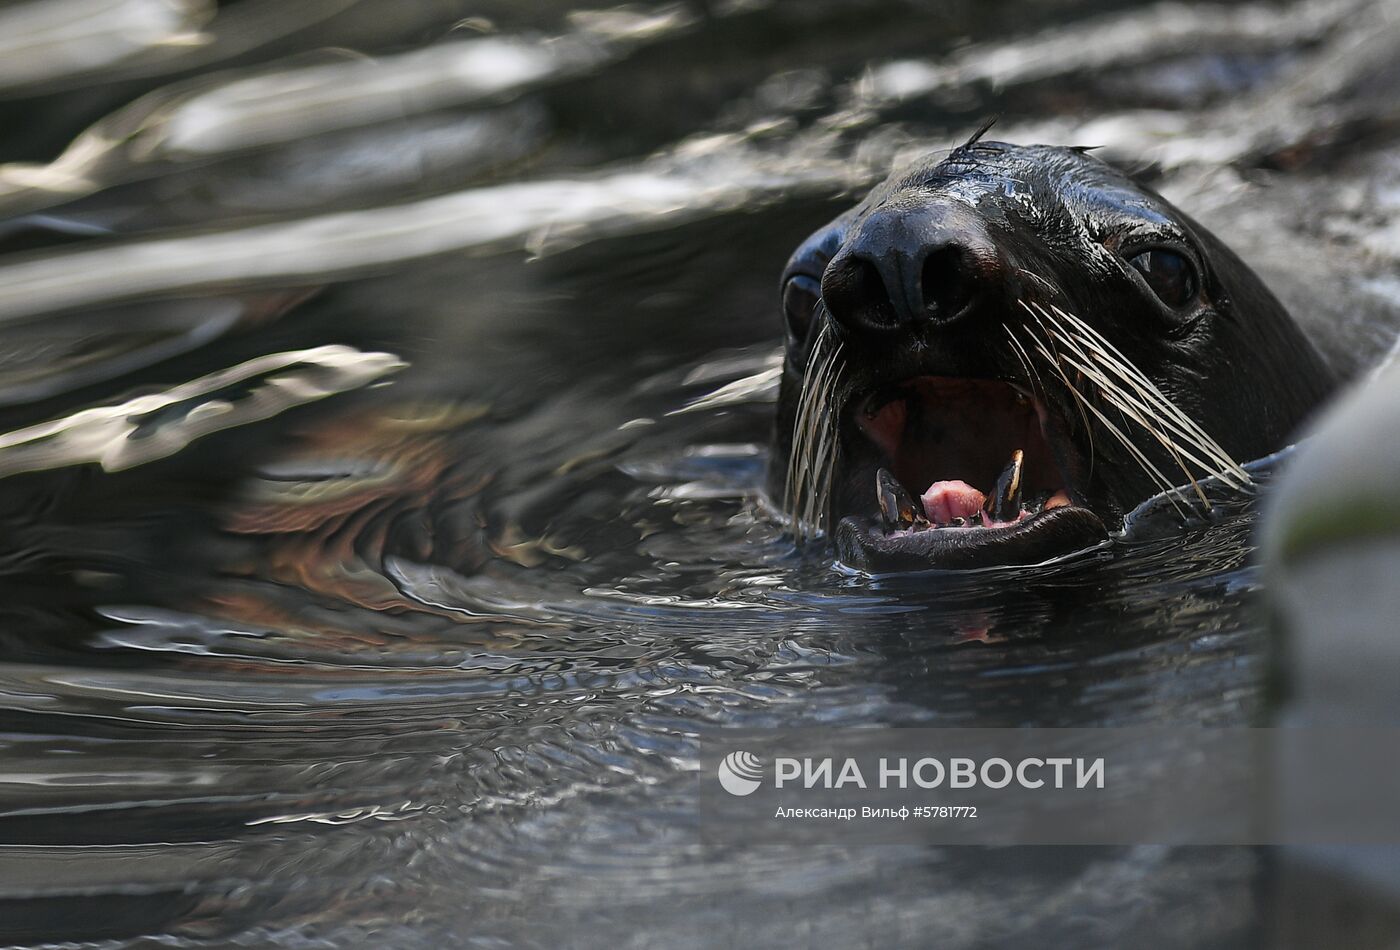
x=945, y=501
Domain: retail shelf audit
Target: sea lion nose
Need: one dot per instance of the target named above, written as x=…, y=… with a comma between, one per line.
x=908, y=265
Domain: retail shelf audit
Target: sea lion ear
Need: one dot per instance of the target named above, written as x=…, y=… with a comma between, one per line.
x=802, y=277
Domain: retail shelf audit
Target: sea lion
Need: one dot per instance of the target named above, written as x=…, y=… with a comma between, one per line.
x=997, y=354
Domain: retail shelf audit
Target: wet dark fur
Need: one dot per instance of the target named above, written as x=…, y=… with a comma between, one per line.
x=1064, y=224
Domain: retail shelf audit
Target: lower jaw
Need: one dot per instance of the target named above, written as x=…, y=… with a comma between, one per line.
x=866, y=546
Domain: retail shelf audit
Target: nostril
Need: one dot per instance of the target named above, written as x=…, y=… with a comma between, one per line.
x=855, y=293
x=945, y=283
x=869, y=288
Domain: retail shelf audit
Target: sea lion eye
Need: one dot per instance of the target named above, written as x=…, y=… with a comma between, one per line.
x=1169, y=274
x=800, y=296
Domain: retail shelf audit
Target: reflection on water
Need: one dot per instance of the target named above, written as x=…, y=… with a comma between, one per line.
x=383, y=440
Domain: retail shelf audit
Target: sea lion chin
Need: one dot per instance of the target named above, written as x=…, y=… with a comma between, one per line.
x=996, y=355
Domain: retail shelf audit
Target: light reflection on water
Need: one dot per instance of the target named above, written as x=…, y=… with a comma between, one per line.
x=421, y=656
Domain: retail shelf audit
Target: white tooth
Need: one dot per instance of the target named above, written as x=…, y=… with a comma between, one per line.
x=897, y=506
x=1004, y=502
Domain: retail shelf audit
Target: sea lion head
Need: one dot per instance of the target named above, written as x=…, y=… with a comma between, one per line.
x=999, y=353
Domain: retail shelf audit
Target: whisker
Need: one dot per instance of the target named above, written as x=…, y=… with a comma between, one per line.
x=1130, y=409
x=1150, y=420
x=816, y=365
x=797, y=450
x=1221, y=466
x=1126, y=407
x=1148, y=467
x=1032, y=374
x=813, y=449
x=1144, y=404
x=1031, y=371
x=827, y=461
x=1198, y=435
x=823, y=458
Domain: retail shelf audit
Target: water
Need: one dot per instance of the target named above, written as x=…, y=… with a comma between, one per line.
x=389, y=606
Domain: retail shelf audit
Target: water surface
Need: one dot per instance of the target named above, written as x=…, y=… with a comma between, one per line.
x=366, y=578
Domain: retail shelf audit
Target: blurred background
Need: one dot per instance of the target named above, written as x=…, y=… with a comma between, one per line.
x=384, y=398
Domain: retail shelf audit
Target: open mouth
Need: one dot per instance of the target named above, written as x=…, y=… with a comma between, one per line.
x=962, y=473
